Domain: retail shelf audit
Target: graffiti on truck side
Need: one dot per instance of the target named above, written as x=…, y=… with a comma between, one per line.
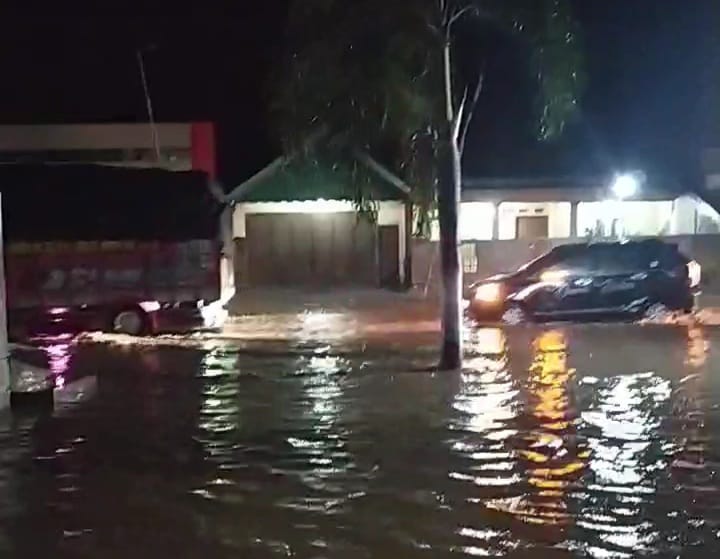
x=77, y=279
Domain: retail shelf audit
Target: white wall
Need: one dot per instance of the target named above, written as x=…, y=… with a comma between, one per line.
x=476, y=221
x=684, y=216
x=389, y=213
x=558, y=214
x=631, y=217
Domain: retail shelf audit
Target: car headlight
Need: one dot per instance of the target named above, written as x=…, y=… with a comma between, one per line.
x=489, y=293
x=553, y=277
x=694, y=273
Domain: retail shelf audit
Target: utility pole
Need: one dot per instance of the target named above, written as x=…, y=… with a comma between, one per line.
x=148, y=103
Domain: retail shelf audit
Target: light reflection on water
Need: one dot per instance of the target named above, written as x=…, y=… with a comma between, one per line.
x=550, y=440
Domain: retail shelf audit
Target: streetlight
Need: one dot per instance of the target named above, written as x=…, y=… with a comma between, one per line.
x=625, y=185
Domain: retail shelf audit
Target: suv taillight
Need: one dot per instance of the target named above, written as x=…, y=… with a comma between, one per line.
x=694, y=273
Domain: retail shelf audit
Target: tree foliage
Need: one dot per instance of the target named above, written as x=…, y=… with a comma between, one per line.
x=369, y=76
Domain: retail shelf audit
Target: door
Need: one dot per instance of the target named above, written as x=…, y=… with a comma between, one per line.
x=533, y=227
x=569, y=285
x=310, y=250
x=389, y=256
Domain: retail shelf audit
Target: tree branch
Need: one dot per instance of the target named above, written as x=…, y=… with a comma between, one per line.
x=459, y=14
x=471, y=108
x=447, y=71
x=458, y=119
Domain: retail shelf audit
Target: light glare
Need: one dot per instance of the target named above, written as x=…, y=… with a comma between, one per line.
x=625, y=186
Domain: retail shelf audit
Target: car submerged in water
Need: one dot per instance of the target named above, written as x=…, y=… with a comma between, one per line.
x=591, y=281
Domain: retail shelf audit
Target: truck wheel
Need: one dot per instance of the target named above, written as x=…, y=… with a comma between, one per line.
x=132, y=322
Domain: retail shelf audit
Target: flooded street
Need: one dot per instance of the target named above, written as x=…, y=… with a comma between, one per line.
x=587, y=441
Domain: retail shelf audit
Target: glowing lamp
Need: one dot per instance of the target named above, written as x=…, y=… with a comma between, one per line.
x=625, y=185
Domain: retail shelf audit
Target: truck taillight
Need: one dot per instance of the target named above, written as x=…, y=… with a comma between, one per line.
x=694, y=273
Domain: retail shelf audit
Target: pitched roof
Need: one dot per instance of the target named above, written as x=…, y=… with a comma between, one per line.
x=288, y=179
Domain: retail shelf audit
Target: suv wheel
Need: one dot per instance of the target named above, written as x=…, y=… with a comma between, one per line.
x=514, y=315
x=657, y=311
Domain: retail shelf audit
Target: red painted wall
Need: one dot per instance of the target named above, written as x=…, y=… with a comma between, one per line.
x=204, y=155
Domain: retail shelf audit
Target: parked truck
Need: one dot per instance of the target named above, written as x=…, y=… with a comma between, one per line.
x=99, y=248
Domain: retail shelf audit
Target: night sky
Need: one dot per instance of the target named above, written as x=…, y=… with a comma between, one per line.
x=646, y=105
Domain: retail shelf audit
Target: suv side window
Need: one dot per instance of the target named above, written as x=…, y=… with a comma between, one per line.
x=622, y=259
x=575, y=262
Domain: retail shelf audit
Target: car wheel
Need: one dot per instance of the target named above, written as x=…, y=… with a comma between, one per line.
x=132, y=322
x=514, y=315
x=658, y=312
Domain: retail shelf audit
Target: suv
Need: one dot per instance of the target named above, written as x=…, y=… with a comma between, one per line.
x=594, y=281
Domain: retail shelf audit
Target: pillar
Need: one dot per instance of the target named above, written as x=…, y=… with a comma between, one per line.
x=408, y=240
x=496, y=222
x=574, y=219
x=4, y=346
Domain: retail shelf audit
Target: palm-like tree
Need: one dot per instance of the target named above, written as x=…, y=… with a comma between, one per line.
x=379, y=77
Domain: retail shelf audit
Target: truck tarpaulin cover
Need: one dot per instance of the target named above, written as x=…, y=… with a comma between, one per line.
x=86, y=202
x=94, y=235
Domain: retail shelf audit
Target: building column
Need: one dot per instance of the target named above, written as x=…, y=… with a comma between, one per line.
x=406, y=270
x=496, y=222
x=574, y=219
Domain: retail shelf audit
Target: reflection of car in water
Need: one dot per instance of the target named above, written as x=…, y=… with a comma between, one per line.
x=594, y=280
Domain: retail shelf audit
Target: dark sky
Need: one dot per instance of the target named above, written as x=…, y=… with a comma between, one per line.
x=646, y=103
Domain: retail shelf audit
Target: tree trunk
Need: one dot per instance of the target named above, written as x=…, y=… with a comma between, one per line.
x=448, y=210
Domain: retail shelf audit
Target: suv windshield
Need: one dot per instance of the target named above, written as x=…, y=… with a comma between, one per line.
x=548, y=259
x=616, y=257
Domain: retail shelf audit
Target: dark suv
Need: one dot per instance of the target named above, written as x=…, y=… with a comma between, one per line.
x=591, y=281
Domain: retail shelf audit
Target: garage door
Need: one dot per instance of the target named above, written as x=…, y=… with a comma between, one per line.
x=310, y=250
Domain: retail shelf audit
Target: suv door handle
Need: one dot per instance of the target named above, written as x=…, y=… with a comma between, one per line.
x=639, y=277
x=582, y=282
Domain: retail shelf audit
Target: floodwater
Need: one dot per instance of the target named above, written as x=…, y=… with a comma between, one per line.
x=592, y=441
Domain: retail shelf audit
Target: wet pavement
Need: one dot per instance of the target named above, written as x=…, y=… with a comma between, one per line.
x=587, y=441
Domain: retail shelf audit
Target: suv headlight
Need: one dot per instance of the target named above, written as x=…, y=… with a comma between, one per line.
x=694, y=273
x=489, y=293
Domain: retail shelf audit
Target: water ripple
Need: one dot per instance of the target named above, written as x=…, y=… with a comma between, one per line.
x=590, y=442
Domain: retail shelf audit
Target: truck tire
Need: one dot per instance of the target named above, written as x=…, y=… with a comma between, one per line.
x=131, y=321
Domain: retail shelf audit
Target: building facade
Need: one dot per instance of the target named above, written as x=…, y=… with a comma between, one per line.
x=509, y=209
x=170, y=146
x=505, y=223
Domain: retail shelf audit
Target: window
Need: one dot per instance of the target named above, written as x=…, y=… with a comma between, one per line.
x=469, y=258
x=574, y=262
x=621, y=259
x=566, y=258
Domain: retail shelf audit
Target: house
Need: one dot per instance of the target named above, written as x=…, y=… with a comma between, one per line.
x=556, y=208
x=295, y=224
x=505, y=222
